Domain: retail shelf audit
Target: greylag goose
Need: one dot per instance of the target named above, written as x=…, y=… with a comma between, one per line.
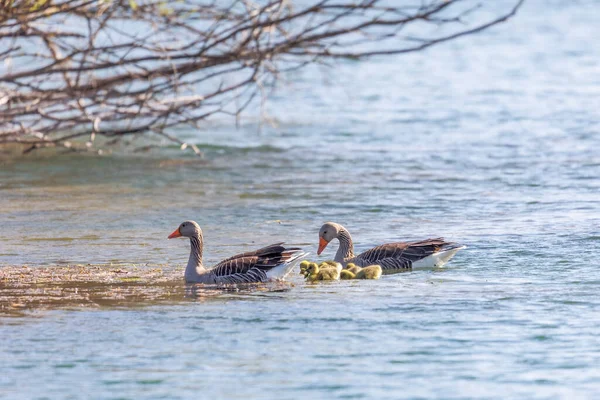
x=267, y=263
x=391, y=257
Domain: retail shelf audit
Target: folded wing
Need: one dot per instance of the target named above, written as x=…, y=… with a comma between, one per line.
x=254, y=266
x=402, y=255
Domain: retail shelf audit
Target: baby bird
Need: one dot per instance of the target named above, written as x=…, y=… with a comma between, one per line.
x=306, y=270
x=370, y=272
x=304, y=266
x=314, y=273
x=331, y=265
x=347, y=275
x=353, y=268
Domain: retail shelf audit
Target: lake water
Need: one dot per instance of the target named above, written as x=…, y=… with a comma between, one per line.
x=492, y=141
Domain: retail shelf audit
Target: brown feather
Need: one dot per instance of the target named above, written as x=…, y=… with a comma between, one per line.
x=264, y=259
x=409, y=251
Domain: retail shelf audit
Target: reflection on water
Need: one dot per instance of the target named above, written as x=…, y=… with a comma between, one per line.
x=94, y=286
x=491, y=141
x=79, y=286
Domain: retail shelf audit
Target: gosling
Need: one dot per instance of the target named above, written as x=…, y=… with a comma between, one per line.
x=314, y=273
x=307, y=270
x=331, y=265
x=370, y=272
x=347, y=275
x=353, y=268
x=304, y=266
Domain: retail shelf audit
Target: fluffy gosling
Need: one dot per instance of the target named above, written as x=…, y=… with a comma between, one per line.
x=304, y=266
x=370, y=272
x=347, y=275
x=308, y=270
x=353, y=268
x=331, y=264
x=314, y=273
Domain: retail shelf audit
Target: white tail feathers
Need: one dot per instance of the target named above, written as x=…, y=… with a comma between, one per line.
x=282, y=270
x=438, y=259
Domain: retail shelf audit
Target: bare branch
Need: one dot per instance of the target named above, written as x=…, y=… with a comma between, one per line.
x=74, y=70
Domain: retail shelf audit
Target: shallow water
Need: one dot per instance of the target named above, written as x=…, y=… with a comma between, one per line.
x=491, y=141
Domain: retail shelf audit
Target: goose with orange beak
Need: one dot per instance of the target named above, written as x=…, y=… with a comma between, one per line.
x=392, y=257
x=268, y=263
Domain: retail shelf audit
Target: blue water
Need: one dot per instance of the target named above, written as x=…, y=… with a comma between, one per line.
x=492, y=141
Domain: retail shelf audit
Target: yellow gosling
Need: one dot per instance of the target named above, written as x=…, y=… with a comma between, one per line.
x=329, y=262
x=331, y=265
x=346, y=275
x=309, y=270
x=303, y=266
x=311, y=267
x=314, y=273
x=370, y=272
x=353, y=268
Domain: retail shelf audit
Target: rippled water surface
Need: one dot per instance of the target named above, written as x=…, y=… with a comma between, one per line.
x=492, y=141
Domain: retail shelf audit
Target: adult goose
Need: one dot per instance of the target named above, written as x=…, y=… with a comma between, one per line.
x=262, y=265
x=392, y=257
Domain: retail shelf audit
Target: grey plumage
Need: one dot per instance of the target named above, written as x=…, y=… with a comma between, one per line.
x=392, y=257
x=264, y=264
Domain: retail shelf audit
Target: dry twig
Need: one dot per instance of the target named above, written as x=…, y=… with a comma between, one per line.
x=74, y=70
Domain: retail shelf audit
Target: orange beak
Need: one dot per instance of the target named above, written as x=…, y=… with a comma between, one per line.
x=322, y=244
x=175, y=234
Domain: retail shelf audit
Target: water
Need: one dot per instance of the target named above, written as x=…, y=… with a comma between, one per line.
x=491, y=141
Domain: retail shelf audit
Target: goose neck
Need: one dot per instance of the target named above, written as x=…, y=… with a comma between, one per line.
x=346, y=249
x=194, y=266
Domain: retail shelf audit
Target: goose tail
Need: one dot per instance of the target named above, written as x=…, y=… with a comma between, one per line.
x=439, y=258
x=282, y=270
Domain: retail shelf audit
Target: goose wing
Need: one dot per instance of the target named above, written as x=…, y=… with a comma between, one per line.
x=401, y=255
x=253, y=266
x=264, y=250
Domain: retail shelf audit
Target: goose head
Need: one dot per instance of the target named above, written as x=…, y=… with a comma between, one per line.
x=186, y=229
x=327, y=233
